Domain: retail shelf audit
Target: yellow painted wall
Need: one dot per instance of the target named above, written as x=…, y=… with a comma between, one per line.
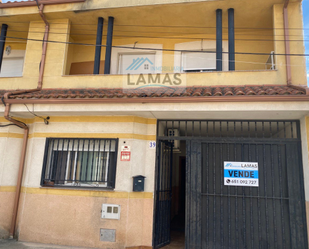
x=75, y=220
x=16, y=45
x=6, y=212
x=298, y=65
x=74, y=215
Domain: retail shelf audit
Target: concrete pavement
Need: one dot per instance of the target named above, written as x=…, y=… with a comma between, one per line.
x=13, y=244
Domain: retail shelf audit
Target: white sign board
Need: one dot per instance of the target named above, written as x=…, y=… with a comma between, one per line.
x=125, y=148
x=244, y=174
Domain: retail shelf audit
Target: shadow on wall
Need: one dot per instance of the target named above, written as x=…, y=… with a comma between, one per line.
x=4, y=234
x=86, y=68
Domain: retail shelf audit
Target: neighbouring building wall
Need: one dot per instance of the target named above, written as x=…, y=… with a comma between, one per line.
x=72, y=217
x=298, y=63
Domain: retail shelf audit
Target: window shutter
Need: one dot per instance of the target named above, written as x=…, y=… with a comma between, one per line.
x=199, y=61
x=12, y=67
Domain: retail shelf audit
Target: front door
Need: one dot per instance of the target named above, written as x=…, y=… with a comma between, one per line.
x=162, y=232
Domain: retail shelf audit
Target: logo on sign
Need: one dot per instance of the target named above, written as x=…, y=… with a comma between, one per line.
x=143, y=73
x=137, y=63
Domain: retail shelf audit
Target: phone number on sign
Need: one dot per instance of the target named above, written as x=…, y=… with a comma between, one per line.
x=250, y=182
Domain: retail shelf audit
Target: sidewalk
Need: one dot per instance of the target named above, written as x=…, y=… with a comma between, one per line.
x=13, y=244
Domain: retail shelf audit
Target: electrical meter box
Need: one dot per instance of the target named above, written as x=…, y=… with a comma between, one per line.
x=138, y=183
x=110, y=211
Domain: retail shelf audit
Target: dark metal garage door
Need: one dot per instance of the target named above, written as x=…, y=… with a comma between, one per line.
x=271, y=215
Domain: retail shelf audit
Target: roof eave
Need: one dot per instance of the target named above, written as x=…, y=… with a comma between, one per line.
x=33, y=3
x=274, y=98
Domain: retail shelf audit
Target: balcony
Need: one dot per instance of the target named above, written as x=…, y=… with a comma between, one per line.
x=162, y=39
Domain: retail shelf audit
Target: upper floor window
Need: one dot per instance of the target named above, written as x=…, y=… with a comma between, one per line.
x=13, y=63
x=80, y=162
x=199, y=61
x=199, y=56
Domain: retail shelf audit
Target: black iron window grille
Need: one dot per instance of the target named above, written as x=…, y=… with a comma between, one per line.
x=80, y=162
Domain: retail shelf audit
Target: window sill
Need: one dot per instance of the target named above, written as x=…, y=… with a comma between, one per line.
x=10, y=77
x=98, y=189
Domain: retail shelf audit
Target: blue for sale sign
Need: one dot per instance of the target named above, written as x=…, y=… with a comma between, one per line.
x=245, y=174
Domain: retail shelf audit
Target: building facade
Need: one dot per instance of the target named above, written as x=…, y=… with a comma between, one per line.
x=139, y=125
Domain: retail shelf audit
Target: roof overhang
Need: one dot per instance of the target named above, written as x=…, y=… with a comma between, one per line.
x=34, y=3
x=198, y=94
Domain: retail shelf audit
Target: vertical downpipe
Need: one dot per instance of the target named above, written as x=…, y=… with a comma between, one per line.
x=21, y=124
x=97, y=57
x=287, y=43
x=4, y=29
x=19, y=181
x=231, y=31
x=21, y=165
x=44, y=49
x=109, y=44
x=219, y=39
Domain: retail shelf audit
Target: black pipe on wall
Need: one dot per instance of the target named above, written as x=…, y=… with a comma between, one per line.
x=97, y=57
x=109, y=44
x=4, y=29
x=219, y=39
x=231, y=30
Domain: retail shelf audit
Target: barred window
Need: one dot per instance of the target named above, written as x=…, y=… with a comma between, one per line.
x=80, y=162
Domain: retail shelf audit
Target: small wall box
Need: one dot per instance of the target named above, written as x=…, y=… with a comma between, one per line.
x=111, y=211
x=138, y=183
